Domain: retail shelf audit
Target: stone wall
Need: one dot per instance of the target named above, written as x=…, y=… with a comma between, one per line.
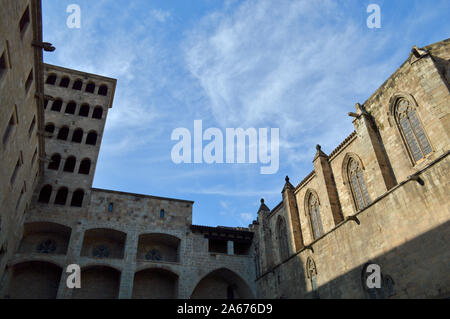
x=21, y=113
x=395, y=204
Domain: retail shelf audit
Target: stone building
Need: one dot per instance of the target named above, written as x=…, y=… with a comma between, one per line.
x=381, y=197
x=127, y=245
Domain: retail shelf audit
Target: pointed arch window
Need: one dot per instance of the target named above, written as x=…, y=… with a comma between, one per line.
x=311, y=271
x=412, y=130
x=357, y=184
x=282, y=238
x=314, y=213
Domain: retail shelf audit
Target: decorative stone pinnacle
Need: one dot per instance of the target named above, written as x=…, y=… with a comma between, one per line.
x=287, y=179
x=262, y=200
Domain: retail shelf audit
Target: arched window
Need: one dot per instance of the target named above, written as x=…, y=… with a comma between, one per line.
x=90, y=88
x=357, y=184
x=77, y=198
x=314, y=213
x=91, y=138
x=77, y=85
x=98, y=112
x=70, y=108
x=64, y=82
x=69, y=165
x=54, y=162
x=63, y=133
x=61, y=196
x=85, y=167
x=103, y=90
x=56, y=106
x=45, y=194
x=412, y=130
x=50, y=128
x=77, y=136
x=51, y=79
x=282, y=238
x=311, y=271
x=84, y=110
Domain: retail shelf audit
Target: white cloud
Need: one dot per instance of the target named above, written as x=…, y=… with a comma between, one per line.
x=283, y=64
x=160, y=15
x=246, y=217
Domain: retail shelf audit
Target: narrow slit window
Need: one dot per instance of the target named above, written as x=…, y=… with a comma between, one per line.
x=10, y=128
x=3, y=66
x=24, y=21
x=29, y=81
x=32, y=126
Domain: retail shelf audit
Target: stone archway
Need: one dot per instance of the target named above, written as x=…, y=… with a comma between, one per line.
x=155, y=283
x=222, y=284
x=98, y=282
x=34, y=280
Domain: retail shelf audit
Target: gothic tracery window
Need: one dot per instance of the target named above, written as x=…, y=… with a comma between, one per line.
x=357, y=184
x=46, y=247
x=314, y=212
x=100, y=251
x=412, y=130
x=311, y=271
x=153, y=254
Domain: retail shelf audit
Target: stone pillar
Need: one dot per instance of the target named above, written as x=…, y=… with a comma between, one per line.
x=368, y=134
x=230, y=247
x=327, y=185
x=266, y=240
x=127, y=276
x=73, y=254
x=290, y=203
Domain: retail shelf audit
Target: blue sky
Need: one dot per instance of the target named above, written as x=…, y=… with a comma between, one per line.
x=299, y=66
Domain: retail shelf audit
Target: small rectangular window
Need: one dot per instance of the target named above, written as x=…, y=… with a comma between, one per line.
x=161, y=213
x=29, y=81
x=110, y=207
x=32, y=126
x=3, y=65
x=24, y=21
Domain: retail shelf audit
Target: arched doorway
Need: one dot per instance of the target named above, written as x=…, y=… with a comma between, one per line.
x=155, y=284
x=222, y=284
x=98, y=282
x=34, y=280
